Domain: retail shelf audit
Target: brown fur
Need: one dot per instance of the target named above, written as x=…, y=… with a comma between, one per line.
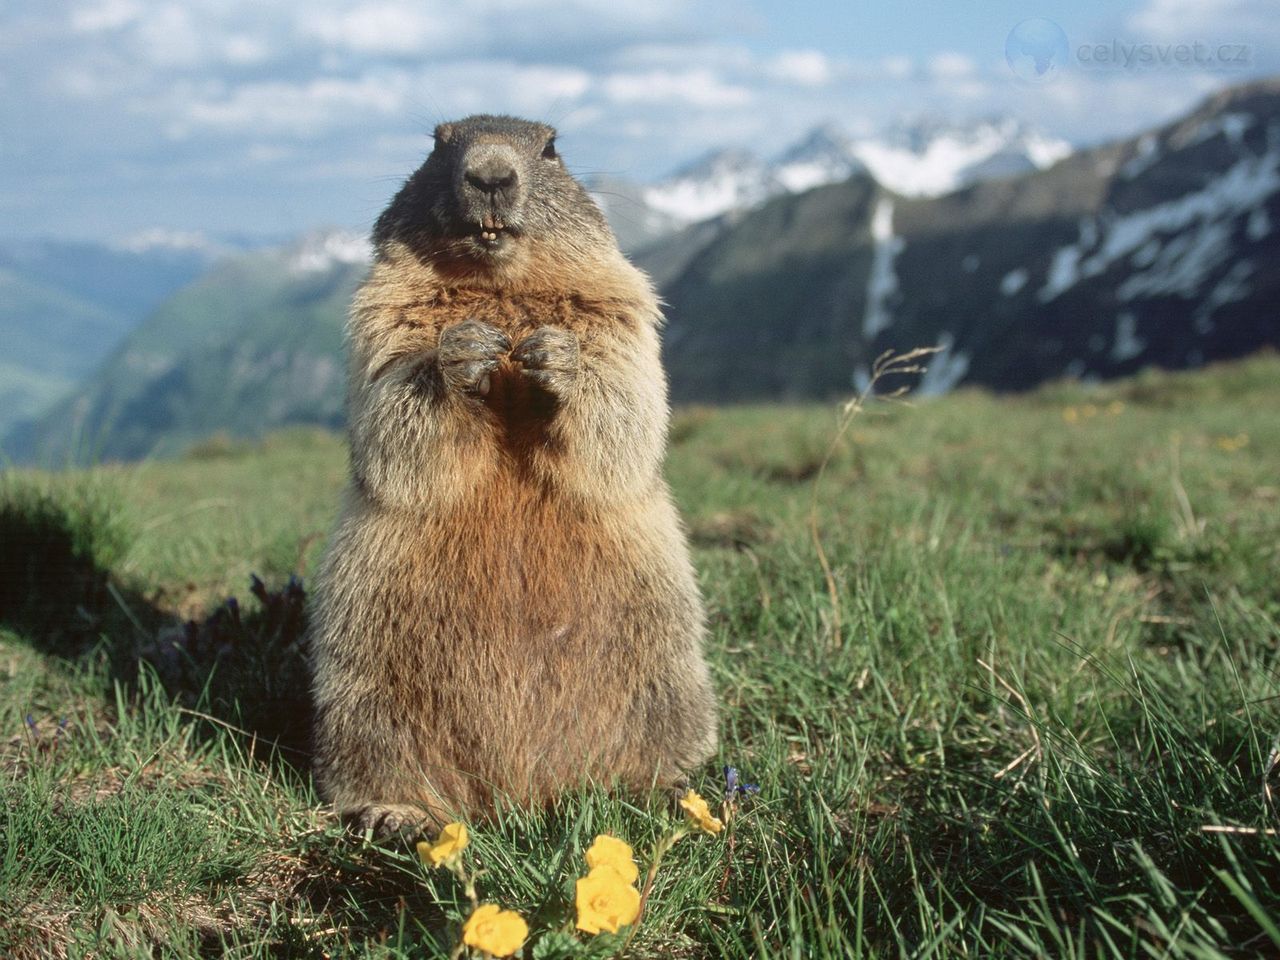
x=506, y=606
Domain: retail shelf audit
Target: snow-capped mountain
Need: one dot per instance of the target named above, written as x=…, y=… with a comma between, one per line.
x=824, y=155
x=322, y=250
x=635, y=223
x=161, y=240
x=924, y=158
x=929, y=157
x=714, y=184
x=1160, y=249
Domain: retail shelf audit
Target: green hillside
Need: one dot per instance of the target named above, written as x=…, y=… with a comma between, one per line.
x=25, y=392
x=51, y=338
x=252, y=345
x=1032, y=713
x=65, y=305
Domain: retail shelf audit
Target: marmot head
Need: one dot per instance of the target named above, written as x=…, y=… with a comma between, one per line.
x=494, y=197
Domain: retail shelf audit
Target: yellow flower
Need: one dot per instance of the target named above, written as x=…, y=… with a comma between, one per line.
x=1070, y=414
x=700, y=814
x=605, y=901
x=609, y=851
x=451, y=842
x=497, y=932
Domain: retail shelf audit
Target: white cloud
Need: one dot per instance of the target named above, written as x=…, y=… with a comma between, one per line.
x=314, y=108
x=105, y=15
x=968, y=88
x=580, y=118
x=451, y=89
x=808, y=68
x=168, y=36
x=269, y=153
x=1091, y=107
x=246, y=49
x=299, y=109
x=714, y=55
x=699, y=87
x=950, y=65
x=897, y=68
x=1186, y=21
x=540, y=84
x=380, y=27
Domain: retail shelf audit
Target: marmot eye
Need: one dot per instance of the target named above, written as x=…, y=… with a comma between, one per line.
x=549, y=151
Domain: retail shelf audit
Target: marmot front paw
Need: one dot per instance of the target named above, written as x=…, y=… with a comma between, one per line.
x=549, y=357
x=468, y=353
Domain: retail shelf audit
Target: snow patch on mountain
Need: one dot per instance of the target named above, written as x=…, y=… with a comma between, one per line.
x=635, y=223
x=944, y=369
x=933, y=172
x=1146, y=153
x=824, y=156
x=1013, y=281
x=1259, y=225
x=1182, y=265
x=166, y=240
x=932, y=159
x=1231, y=288
x=1045, y=151
x=323, y=251
x=1198, y=226
x=923, y=159
x=1064, y=271
x=1231, y=125
x=722, y=181
x=882, y=282
x=1127, y=343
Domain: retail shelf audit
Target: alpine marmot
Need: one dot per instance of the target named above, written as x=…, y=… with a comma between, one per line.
x=506, y=607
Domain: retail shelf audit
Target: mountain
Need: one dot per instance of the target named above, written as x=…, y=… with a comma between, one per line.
x=64, y=306
x=927, y=157
x=634, y=222
x=253, y=344
x=824, y=155
x=930, y=156
x=1157, y=250
x=718, y=182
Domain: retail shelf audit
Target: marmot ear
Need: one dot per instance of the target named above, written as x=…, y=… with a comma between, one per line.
x=444, y=133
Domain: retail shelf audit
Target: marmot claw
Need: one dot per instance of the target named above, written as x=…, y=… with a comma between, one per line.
x=549, y=357
x=469, y=352
x=385, y=821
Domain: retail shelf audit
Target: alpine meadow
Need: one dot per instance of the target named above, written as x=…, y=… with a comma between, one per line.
x=544, y=480
x=1031, y=708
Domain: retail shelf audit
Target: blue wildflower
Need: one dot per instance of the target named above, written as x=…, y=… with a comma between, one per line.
x=734, y=789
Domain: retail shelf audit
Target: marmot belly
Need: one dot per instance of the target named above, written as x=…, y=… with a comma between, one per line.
x=519, y=632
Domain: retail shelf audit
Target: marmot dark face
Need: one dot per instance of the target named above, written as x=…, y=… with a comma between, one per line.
x=492, y=187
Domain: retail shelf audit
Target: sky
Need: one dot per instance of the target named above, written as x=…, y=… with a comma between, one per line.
x=265, y=118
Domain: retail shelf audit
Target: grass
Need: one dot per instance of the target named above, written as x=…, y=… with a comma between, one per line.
x=1044, y=726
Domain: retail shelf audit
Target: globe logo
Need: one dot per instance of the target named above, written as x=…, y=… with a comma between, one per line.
x=1036, y=50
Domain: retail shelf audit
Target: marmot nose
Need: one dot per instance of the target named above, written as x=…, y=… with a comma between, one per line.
x=491, y=175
